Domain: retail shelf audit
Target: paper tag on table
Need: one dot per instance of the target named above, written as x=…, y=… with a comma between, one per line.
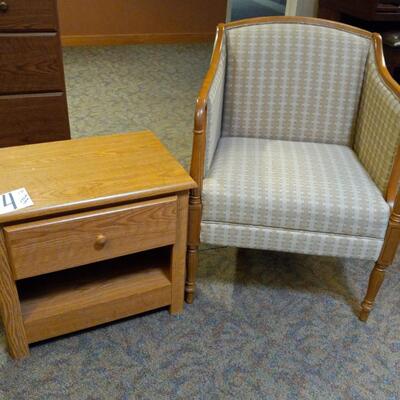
x=14, y=201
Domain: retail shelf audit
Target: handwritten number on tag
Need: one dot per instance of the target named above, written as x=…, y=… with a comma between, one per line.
x=10, y=202
x=14, y=201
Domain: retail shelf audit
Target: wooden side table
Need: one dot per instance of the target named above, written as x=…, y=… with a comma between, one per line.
x=104, y=239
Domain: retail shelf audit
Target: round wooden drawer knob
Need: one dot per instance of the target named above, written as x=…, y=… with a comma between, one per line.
x=100, y=242
x=3, y=6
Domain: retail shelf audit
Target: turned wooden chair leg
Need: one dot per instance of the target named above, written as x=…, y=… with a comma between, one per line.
x=193, y=245
x=375, y=281
x=192, y=262
x=385, y=259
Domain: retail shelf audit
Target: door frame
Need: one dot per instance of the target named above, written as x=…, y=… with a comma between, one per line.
x=291, y=8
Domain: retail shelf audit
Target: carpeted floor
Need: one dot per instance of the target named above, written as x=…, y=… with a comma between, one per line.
x=265, y=325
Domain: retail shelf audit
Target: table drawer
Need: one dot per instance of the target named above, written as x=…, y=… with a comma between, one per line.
x=30, y=63
x=33, y=119
x=55, y=244
x=29, y=15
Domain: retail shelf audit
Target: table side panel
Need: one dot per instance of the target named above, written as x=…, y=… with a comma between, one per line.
x=10, y=309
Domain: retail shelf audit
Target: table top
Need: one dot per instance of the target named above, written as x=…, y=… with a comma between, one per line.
x=89, y=172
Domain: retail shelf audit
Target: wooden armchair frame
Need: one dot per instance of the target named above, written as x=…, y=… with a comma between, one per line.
x=392, y=236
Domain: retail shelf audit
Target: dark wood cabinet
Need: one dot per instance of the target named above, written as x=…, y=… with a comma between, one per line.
x=33, y=105
x=29, y=15
x=374, y=15
x=367, y=10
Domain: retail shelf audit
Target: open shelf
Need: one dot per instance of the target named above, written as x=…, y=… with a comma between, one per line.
x=78, y=298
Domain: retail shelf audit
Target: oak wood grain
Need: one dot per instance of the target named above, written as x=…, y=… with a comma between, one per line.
x=79, y=298
x=27, y=119
x=10, y=309
x=107, y=195
x=29, y=15
x=178, y=256
x=54, y=244
x=96, y=171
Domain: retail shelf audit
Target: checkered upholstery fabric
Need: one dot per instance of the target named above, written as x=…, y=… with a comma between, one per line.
x=378, y=126
x=293, y=82
x=294, y=241
x=312, y=187
x=214, y=108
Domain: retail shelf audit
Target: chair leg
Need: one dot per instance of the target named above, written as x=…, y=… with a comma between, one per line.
x=193, y=246
x=385, y=259
x=375, y=281
x=192, y=262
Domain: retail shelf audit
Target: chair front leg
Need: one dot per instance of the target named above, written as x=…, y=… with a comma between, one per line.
x=385, y=259
x=193, y=245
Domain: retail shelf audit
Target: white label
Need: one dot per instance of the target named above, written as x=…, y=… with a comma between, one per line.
x=15, y=200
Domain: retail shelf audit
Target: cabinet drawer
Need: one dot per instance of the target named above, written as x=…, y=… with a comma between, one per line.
x=30, y=63
x=29, y=15
x=40, y=247
x=33, y=119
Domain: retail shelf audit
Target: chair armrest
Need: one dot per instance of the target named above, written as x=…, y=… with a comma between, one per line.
x=208, y=113
x=377, y=137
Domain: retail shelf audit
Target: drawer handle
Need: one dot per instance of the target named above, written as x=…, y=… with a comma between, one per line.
x=100, y=241
x=3, y=6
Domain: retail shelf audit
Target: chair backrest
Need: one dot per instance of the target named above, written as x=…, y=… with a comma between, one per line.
x=377, y=139
x=293, y=80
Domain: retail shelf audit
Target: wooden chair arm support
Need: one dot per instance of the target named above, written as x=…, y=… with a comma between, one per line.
x=200, y=116
x=395, y=207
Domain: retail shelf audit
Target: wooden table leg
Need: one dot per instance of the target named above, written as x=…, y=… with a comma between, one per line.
x=10, y=308
x=178, y=257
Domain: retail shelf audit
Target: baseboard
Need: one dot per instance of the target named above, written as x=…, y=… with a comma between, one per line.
x=141, y=38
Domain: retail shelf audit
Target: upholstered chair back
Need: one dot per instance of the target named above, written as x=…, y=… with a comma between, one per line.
x=293, y=81
x=378, y=129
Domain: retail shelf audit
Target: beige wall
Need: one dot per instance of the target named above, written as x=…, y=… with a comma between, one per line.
x=129, y=17
x=307, y=8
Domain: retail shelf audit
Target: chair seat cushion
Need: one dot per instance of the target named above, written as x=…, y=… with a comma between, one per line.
x=293, y=185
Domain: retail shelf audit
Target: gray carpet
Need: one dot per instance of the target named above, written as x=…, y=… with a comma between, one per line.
x=265, y=325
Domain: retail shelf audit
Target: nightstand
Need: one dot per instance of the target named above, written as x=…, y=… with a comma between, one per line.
x=104, y=239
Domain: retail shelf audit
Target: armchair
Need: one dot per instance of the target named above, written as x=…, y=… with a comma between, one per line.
x=296, y=145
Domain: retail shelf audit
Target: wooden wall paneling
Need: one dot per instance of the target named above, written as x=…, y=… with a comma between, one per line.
x=136, y=21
